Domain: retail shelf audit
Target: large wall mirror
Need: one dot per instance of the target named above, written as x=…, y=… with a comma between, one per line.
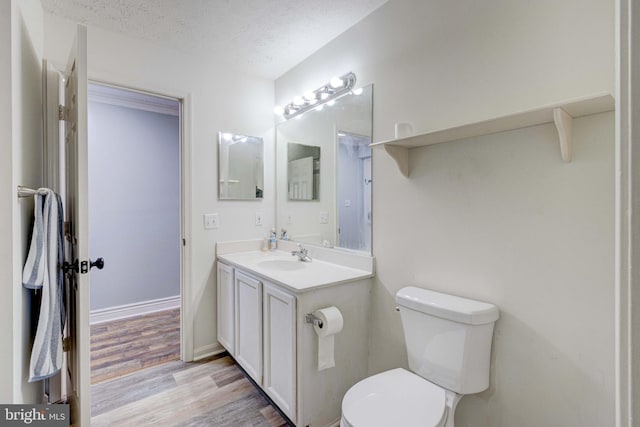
x=240, y=167
x=323, y=168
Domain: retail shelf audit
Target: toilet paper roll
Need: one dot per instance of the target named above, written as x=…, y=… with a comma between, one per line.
x=331, y=323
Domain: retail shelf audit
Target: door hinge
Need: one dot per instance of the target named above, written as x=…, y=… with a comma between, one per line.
x=84, y=267
x=63, y=113
x=184, y=242
x=66, y=344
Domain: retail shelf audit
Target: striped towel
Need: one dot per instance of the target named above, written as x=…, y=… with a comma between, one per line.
x=42, y=271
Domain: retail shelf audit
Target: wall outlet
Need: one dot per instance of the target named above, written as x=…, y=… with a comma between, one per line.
x=347, y=203
x=259, y=218
x=211, y=221
x=324, y=217
x=289, y=218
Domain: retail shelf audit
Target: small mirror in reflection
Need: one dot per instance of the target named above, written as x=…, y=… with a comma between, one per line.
x=303, y=171
x=240, y=167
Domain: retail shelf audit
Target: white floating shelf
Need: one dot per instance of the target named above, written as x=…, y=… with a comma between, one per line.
x=561, y=114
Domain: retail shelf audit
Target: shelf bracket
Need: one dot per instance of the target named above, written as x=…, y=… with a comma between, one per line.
x=401, y=157
x=564, y=125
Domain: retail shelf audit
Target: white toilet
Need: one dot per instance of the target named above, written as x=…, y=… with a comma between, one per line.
x=449, y=347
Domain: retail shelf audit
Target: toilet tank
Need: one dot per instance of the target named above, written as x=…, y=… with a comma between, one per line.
x=448, y=338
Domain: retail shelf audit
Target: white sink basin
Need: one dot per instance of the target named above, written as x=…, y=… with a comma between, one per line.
x=281, y=268
x=282, y=264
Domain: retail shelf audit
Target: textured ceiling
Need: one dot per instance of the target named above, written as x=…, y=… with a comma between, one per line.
x=262, y=37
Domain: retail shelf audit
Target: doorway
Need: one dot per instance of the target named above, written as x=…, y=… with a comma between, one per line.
x=354, y=191
x=134, y=158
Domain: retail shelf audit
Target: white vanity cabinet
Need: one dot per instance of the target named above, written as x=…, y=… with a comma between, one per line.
x=257, y=325
x=265, y=315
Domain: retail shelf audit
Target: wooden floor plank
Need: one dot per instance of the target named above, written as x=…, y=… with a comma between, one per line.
x=124, y=346
x=210, y=392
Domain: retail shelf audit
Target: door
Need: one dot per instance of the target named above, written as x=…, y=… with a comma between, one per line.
x=301, y=179
x=226, y=308
x=76, y=207
x=249, y=325
x=279, y=326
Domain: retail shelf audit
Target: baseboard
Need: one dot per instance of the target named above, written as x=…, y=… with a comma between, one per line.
x=135, y=309
x=207, y=350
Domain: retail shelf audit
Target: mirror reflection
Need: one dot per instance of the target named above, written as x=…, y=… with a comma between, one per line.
x=240, y=167
x=323, y=171
x=303, y=171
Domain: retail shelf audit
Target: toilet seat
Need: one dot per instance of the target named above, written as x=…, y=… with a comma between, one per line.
x=394, y=398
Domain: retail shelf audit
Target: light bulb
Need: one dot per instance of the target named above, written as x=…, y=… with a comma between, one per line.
x=309, y=95
x=298, y=100
x=336, y=82
x=320, y=107
x=324, y=95
x=278, y=110
x=331, y=103
x=357, y=91
x=227, y=136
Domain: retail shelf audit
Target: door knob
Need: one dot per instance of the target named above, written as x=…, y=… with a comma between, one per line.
x=99, y=263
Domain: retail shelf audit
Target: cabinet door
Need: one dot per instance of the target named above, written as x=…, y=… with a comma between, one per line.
x=226, y=308
x=279, y=322
x=249, y=325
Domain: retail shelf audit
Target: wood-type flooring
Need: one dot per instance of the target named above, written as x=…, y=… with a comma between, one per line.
x=211, y=392
x=127, y=345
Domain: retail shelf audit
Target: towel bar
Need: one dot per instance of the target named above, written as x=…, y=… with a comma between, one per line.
x=25, y=191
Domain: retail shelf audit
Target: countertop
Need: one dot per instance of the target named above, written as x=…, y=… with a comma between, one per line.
x=282, y=268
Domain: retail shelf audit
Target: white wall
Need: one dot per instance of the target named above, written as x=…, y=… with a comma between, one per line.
x=498, y=218
x=21, y=143
x=134, y=204
x=218, y=100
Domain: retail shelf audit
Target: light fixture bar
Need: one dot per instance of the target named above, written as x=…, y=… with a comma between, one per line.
x=335, y=88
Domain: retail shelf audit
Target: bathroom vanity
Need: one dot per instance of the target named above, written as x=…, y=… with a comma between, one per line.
x=263, y=299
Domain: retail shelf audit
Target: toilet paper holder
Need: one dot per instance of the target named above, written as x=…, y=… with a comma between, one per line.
x=312, y=318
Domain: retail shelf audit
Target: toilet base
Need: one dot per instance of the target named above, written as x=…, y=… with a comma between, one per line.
x=452, y=404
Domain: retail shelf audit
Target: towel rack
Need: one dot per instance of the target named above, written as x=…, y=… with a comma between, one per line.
x=25, y=191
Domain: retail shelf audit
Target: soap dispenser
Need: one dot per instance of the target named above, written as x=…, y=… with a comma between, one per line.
x=273, y=240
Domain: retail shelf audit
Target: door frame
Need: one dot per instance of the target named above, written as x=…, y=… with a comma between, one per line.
x=185, y=123
x=627, y=255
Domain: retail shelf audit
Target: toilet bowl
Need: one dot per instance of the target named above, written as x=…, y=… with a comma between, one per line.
x=394, y=398
x=448, y=342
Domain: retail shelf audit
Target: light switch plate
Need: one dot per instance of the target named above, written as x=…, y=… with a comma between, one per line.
x=211, y=221
x=259, y=218
x=324, y=217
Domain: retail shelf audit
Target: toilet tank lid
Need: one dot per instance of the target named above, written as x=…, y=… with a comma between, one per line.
x=450, y=307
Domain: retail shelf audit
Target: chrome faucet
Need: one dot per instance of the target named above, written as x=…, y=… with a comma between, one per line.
x=302, y=254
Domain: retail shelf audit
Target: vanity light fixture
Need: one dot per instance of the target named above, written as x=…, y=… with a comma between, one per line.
x=325, y=94
x=232, y=139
